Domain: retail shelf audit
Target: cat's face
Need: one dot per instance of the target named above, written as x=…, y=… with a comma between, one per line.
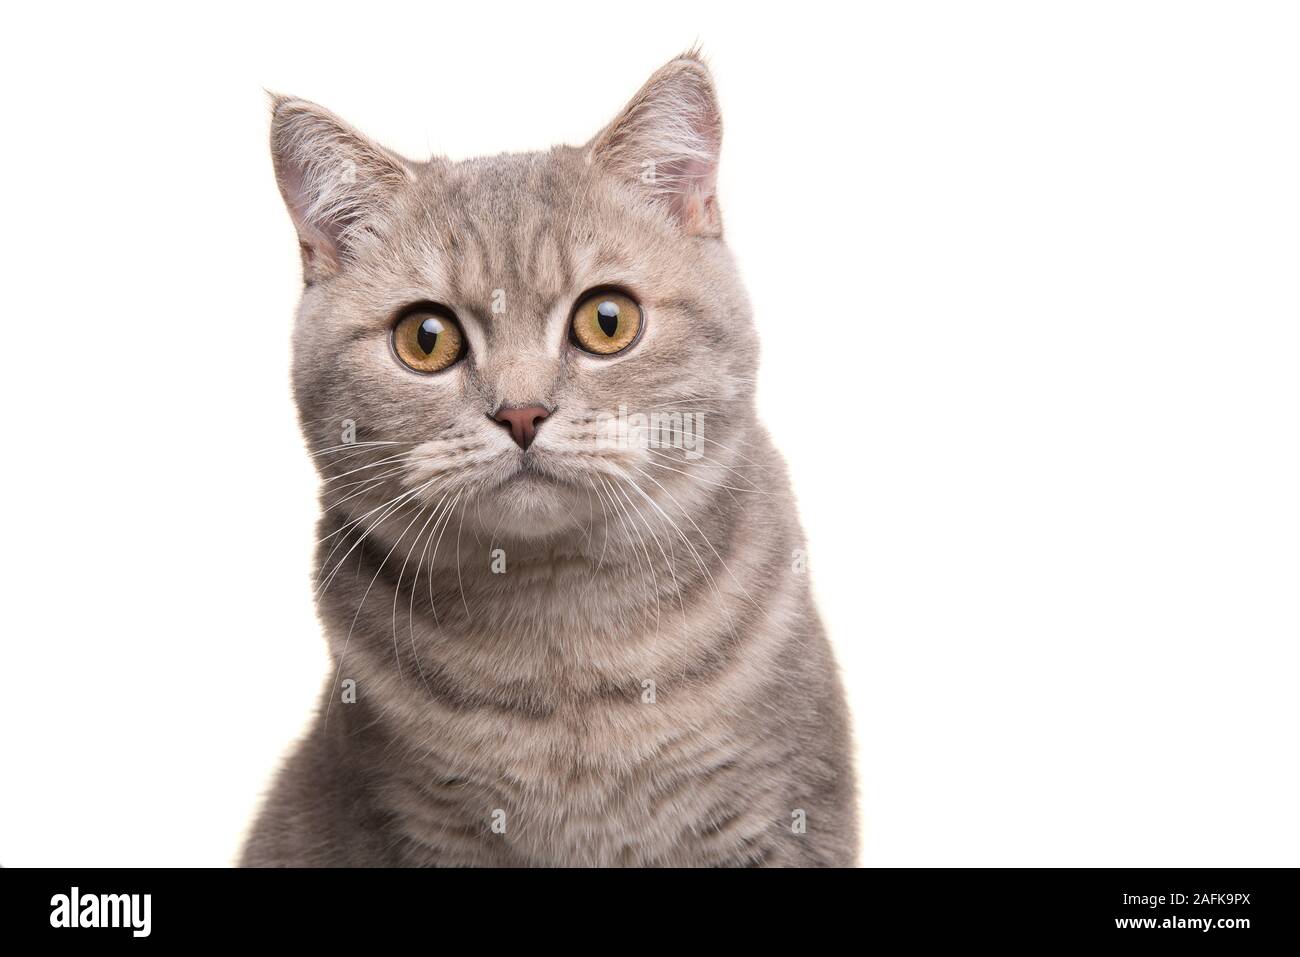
x=529, y=336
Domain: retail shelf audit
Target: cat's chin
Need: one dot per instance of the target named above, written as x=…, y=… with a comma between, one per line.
x=530, y=505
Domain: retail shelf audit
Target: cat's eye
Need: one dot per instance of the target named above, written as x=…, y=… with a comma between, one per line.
x=606, y=321
x=428, y=339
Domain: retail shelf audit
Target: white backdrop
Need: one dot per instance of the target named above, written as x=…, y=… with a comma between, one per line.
x=1029, y=276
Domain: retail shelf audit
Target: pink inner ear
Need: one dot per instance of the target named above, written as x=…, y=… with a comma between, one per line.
x=318, y=242
x=333, y=180
x=667, y=141
x=688, y=185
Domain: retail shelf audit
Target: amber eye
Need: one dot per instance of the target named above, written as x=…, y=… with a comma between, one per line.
x=428, y=339
x=606, y=321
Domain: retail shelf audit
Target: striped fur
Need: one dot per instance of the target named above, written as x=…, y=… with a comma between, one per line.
x=646, y=682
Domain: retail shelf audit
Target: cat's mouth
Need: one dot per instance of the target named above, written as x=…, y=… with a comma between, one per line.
x=531, y=498
x=525, y=475
x=530, y=470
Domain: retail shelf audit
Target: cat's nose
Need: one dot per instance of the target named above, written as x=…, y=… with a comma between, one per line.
x=522, y=421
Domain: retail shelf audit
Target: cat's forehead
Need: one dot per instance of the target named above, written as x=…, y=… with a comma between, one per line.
x=508, y=187
x=536, y=225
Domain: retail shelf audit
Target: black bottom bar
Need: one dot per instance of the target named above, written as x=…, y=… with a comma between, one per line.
x=1230, y=908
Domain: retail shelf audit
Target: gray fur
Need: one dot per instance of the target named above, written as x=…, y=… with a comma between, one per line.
x=502, y=718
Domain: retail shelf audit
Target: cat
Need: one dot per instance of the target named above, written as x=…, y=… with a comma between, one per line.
x=561, y=571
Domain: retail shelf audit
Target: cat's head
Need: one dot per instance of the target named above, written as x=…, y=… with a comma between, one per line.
x=524, y=334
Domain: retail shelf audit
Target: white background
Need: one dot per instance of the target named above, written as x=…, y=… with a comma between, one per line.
x=1026, y=279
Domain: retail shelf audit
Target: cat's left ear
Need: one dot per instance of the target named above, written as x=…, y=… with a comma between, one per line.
x=666, y=143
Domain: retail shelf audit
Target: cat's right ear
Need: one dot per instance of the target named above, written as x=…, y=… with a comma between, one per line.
x=334, y=181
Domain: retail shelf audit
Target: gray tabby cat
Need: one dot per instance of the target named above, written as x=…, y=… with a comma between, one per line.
x=560, y=566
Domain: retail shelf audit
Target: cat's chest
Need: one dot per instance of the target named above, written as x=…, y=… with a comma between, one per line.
x=566, y=738
x=575, y=788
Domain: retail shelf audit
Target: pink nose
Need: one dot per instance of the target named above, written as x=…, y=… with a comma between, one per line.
x=522, y=421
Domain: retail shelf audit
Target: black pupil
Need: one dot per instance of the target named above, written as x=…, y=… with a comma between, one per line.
x=607, y=316
x=427, y=337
